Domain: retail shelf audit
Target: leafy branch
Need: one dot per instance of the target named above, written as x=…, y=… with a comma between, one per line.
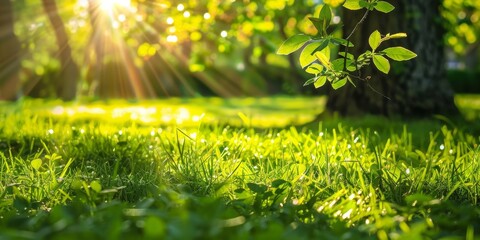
x=318, y=58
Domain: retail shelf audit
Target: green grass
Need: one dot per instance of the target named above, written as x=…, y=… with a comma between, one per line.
x=234, y=169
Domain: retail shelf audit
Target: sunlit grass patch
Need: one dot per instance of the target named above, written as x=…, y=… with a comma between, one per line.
x=241, y=112
x=230, y=173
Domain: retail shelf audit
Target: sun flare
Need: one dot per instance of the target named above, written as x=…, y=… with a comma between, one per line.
x=109, y=5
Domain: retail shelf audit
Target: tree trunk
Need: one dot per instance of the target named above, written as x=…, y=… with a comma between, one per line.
x=66, y=81
x=9, y=53
x=414, y=88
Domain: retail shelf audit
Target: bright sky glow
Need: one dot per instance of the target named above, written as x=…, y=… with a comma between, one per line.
x=109, y=5
x=122, y=18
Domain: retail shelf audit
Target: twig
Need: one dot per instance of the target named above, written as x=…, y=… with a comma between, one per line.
x=358, y=24
x=350, y=35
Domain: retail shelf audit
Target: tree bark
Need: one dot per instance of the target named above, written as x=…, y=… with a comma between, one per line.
x=413, y=88
x=66, y=81
x=9, y=53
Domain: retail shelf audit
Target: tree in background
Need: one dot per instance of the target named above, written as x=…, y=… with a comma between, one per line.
x=9, y=53
x=414, y=88
x=141, y=49
x=66, y=81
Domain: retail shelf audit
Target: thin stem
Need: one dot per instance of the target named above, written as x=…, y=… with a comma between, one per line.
x=346, y=56
x=365, y=80
x=350, y=35
x=358, y=24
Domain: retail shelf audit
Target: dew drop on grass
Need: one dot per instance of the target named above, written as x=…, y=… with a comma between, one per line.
x=332, y=203
x=407, y=171
x=50, y=131
x=442, y=147
x=337, y=213
x=347, y=214
x=320, y=209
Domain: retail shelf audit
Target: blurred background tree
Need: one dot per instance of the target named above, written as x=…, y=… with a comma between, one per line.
x=9, y=53
x=147, y=49
x=65, y=82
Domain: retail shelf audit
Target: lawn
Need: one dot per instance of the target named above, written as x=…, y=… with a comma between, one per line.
x=211, y=168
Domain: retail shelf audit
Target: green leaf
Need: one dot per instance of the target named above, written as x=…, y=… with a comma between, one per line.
x=398, y=35
x=96, y=186
x=293, y=44
x=399, y=53
x=310, y=81
x=314, y=69
x=349, y=79
x=324, y=59
x=326, y=14
x=320, y=81
x=348, y=55
x=374, y=40
x=36, y=163
x=324, y=49
x=318, y=23
x=341, y=41
x=350, y=65
x=307, y=57
x=381, y=63
x=278, y=182
x=339, y=83
x=384, y=7
x=352, y=4
x=257, y=188
x=338, y=64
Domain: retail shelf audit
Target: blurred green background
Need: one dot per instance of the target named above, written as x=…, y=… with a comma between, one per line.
x=147, y=49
